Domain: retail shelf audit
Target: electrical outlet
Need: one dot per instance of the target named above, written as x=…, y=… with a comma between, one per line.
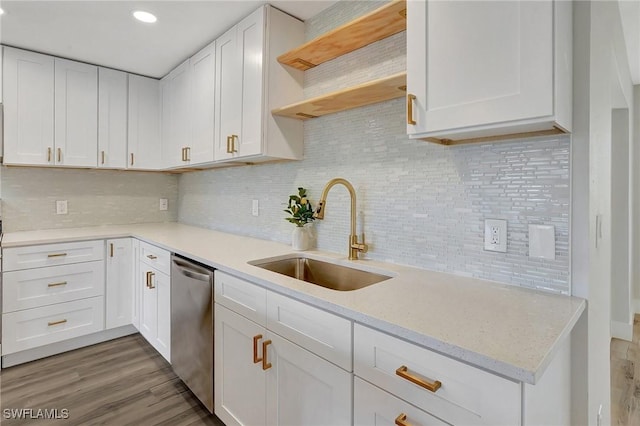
x=255, y=208
x=61, y=207
x=495, y=235
x=164, y=204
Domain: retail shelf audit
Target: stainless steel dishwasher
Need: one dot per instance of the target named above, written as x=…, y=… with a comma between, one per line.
x=192, y=326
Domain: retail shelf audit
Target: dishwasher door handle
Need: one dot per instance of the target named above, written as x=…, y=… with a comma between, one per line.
x=188, y=272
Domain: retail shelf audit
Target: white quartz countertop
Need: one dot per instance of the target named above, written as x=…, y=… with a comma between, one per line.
x=507, y=330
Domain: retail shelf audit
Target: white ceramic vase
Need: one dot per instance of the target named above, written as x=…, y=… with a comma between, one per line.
x=302, y=237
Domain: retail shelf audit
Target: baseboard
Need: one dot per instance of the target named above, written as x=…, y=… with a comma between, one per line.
x=67, y=345
x=622, y=330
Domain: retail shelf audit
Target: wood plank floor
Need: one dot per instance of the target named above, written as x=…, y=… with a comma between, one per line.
x=625, y=379
x=120, y=382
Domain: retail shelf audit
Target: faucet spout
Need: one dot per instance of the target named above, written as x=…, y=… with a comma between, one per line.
x=355, y=247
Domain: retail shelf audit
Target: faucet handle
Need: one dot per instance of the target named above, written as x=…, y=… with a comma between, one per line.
x=361, y=247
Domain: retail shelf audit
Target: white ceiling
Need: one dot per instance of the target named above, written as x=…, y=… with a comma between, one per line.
x=105, y=33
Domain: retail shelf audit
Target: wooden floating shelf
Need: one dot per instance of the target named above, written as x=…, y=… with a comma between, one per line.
x=381, y=23
x=383, y=89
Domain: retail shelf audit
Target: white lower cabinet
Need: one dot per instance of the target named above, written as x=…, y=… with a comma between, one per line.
x=445, y=388
x=263, y=378
x=31, y=328
x=119, y=287
x=373, y=406
x=155, y=306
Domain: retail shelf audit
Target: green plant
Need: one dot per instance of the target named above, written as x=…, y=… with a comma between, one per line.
x=300, y=208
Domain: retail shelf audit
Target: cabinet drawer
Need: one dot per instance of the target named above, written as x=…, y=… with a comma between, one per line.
x=373, y=406
x=321, y=332
x=17, y=258
x=155, y=257
x=242, y=297
x=467, y=396
x=32, y=288
x=49, y=324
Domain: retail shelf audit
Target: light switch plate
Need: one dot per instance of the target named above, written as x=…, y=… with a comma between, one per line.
x=61, y=207
x=542, y=242
x=164, y=204
x=495, y=235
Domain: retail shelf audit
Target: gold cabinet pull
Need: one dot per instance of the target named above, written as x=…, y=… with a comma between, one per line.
x=187, y=154
x=183, y=155
x=110, y=249
x=57, y=255
x=50, y=323
x=59, y=155
x=49, y=155
x=403, y=372
x=132, y=158
x=256, y=359
x=229, y=145
x=57, y=284
x=265, y=365
x=102, y=161
x=233, y=143
x=410, y=99
x=401, y=420
x=149, y=279
x=152, y=257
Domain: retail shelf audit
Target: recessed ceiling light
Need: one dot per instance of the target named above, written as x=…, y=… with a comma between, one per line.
x=143, y=16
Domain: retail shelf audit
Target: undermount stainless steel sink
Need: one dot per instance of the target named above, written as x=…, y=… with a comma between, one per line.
x=325, y=274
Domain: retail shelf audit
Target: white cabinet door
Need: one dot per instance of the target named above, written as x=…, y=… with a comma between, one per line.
x=176, y=112
x=137, y=286
x=203, y=70
x=474, y=66
x=304, y=389
x=250, y=44
x=162, y=284
x=76, y=113
x=120, y=283
x=112, y=118
x=228, y=89
x=240, y=382
x=148, y=305
x=28, y=107
x=145, y=148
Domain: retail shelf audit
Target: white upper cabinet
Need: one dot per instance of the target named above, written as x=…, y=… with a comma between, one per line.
x=28, y=107
x=176, y=111
x=203, y=69
x=483, y=69
x=76, y=113
x=250, y=82
x=112, y=119
x=145, y=150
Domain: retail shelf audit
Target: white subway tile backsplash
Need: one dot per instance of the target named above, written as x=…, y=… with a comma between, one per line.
x=95, y=197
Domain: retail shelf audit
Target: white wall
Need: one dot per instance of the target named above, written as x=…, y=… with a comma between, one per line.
x=635, y=200
x=601, y=71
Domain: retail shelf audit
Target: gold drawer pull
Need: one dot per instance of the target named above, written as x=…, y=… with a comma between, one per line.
x=401, y=420
x=255, y=349
x=111, y=250
x=152, y=257
x=57, y=255
x=233, y=143
x=410, y=99
x=51, y=323
x=187, y=154
x=132, y=158
x=404, y=373
x=229, y=145
x=265, y=365
x=49, y=155
x=57, y=284
x=102, y=157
